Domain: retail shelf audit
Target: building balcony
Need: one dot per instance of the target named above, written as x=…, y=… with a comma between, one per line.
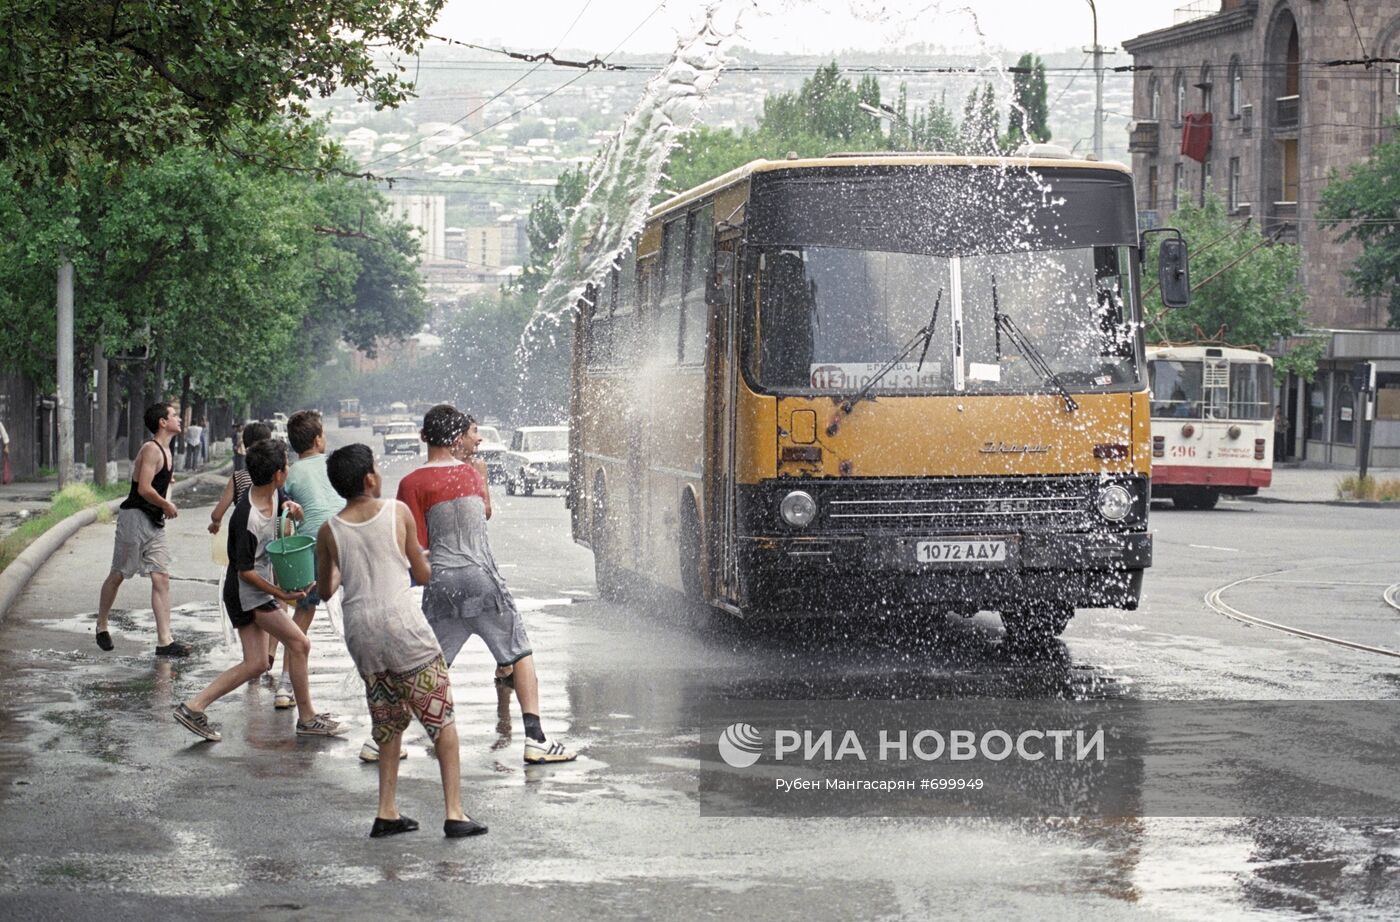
x=1281, y=221
x=1143, y=138
x=1286, y=112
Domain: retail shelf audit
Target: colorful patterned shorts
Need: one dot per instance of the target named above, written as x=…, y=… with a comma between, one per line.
x=395, y=698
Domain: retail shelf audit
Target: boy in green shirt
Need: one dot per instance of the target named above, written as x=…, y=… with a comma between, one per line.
x=309, y=487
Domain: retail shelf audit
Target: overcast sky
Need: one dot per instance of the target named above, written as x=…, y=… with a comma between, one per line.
x=808, y=26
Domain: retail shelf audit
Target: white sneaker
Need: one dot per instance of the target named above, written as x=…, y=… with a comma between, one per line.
x=284, y=698
x=320, y=725
x=546, y=752
x=369, y=752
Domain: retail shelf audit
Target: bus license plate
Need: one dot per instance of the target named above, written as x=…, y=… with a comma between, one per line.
x=963, y=551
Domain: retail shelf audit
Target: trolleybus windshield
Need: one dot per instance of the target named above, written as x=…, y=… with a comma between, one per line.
x=1214, y=389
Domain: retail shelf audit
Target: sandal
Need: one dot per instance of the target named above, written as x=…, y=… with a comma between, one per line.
x=104, y=640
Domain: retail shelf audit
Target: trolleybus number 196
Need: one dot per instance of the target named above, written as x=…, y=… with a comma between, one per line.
x=960, y=552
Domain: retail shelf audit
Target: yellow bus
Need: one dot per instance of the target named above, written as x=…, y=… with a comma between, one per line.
x=867, y=382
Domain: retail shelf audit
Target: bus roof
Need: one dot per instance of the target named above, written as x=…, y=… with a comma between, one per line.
x=859, y=160
x=1193, y=352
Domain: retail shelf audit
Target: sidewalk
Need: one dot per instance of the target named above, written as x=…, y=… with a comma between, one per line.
x=1297, y=484
x=21, y=501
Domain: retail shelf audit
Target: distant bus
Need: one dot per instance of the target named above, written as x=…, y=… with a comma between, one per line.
x=1212, y=423
x=866, y=382
x=349, y=415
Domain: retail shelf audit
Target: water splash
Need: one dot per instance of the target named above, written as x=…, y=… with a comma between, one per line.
x=626, y=173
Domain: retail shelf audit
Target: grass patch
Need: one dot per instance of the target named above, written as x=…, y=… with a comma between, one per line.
x=70, y=500
x=1369, y=488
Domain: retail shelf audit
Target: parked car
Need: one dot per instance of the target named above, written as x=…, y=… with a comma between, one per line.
x=538, y=459
x=401, y=437
x=493, y=451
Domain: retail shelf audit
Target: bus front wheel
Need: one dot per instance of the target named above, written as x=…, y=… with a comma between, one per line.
x=1196, y=498
x=690, y=549
x=605, y=569
x=1036, y=624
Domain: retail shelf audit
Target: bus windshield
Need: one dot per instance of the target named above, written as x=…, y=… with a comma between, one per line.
x=828, y=318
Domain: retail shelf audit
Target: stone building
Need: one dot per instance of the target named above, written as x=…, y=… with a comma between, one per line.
x=1254, y=101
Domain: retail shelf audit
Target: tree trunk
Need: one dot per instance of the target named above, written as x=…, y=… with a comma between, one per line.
x=136, y=394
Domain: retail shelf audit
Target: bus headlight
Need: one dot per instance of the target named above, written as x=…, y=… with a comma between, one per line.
x=1115, y=502
x=798, y=509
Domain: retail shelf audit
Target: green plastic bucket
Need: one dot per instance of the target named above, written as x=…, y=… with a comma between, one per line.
x=293, y=559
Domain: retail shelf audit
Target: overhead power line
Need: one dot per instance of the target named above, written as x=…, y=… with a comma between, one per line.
x=532, y=103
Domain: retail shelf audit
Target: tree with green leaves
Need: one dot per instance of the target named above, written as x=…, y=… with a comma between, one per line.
x=1028, y=120
x=244, y=277
x=1244, y=286
x=1363, y=204
x=935, y=128
x=545, y=226
x=125, y=81
x=979, y=135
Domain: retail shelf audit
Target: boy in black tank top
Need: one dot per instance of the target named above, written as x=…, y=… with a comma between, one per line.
x=140, y=544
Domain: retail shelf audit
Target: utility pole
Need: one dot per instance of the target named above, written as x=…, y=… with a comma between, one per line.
x=100, y=435
x=65, y=370
x=1363, y=382
x=1098, y=86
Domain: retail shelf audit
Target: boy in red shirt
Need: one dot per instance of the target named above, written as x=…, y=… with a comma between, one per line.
x=467, y=594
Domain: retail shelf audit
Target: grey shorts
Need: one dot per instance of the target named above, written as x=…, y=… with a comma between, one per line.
x=140, y=546
x=462, y=601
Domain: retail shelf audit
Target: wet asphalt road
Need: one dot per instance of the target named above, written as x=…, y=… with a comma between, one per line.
x=109, y=809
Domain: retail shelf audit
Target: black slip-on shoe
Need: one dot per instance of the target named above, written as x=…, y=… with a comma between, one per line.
x=460, y=829
x=175, y=648
x=383, y=827
x=104, y=640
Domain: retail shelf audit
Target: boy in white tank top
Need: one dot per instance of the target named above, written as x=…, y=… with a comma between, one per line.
x=368, y=549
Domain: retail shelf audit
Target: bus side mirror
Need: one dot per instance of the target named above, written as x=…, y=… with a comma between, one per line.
x=719, y=284
x=1174, y=273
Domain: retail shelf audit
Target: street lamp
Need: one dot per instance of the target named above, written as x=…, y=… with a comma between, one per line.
x=1098, y=86
x=887, y=114
x=884, y=112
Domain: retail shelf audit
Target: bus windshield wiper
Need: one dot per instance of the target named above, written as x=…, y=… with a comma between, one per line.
x=1033, y=357
x=925, y=334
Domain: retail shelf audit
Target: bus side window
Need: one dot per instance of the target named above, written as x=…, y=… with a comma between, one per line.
x=666, y=318
x=625, y=313
x=597, y=312
x=699, y=253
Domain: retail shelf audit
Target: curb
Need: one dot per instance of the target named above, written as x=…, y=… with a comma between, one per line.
x=14, y=579
x=1344, y=503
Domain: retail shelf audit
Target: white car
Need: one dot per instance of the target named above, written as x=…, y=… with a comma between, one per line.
x=538, y=459
x=493, y=451
x=401, y=437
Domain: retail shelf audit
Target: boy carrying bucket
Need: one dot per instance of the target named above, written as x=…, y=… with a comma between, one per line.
x=309, y=487
x=368, y=551
x=254, y=602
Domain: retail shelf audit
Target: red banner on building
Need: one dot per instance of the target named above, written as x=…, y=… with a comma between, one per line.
x=1195, y=136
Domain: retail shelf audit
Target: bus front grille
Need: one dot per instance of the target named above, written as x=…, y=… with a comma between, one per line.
x=965, y=505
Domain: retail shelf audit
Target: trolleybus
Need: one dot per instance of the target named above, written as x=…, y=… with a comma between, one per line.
x=865, y=382
x=1212, y=423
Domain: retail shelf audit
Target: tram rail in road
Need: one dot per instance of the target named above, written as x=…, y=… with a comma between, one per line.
x=1391, y=596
